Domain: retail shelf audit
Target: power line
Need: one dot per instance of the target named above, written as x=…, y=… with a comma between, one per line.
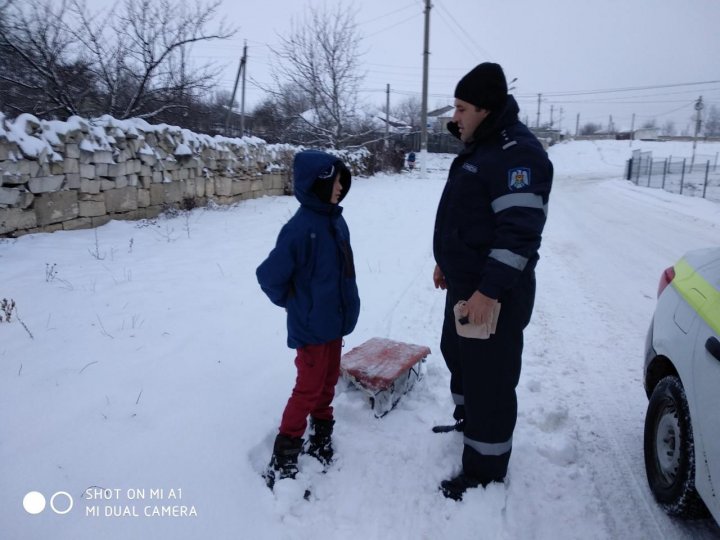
x=393, y=26
x=467, y=35
x=407, y=6
x=628, y=89
x=639, y=96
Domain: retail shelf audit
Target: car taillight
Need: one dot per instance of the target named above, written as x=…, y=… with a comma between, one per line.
x=667, y=276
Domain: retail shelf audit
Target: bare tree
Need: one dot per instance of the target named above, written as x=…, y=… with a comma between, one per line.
x=133, y=61
x=668, y=128
x=145, y=69
x=409, y=111
x=712, y=123
x=590, y=128
x=40, y=71
x=649, y=124
x=319, y=60
x=279, y=117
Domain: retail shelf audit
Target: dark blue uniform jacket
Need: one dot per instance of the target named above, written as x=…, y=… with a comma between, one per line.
x=492, y=211
x=310, y=272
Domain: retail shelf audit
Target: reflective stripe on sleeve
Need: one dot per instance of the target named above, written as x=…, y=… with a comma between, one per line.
x=702, y=297
x=528, y=200
x=506, y=256
x=458, y=399
x=489, y=449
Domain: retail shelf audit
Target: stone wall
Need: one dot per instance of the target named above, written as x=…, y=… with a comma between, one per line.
x=82, y=173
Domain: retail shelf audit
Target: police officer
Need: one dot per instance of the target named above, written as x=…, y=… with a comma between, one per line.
x=487, y=233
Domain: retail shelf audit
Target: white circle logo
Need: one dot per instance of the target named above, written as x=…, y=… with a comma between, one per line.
x=34, y=502
x=69, y=503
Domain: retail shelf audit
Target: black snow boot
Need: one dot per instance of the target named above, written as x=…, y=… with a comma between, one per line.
x=283, y=463
x=456, y=487
x=320, y=442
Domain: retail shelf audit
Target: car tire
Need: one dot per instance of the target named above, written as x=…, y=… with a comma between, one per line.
x=669, y=451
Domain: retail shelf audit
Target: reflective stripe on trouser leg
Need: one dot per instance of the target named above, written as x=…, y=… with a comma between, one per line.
x=489, y=449
x=491, y=370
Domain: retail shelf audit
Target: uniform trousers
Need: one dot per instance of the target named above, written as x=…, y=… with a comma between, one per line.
x=483, y=376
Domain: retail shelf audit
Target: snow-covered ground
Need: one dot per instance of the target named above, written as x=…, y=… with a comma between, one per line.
x=157, y=372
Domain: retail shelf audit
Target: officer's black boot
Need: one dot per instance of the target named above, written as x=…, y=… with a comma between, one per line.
x=320, y=442
x=283, y=463
x=455, y=488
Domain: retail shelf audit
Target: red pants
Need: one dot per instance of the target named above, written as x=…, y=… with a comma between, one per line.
x=318, y=368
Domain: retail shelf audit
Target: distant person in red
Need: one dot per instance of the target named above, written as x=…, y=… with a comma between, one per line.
x=311, y=274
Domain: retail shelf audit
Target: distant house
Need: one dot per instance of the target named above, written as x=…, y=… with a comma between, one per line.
x=547, y=136
x=394, y=125
x=647, y=134
x=438, y=119
x=623, y=135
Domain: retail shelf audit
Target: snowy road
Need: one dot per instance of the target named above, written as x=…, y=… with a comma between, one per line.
x=605, y=246
x=162, y=366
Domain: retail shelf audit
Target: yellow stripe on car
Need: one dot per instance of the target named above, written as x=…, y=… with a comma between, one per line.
x=698, y=293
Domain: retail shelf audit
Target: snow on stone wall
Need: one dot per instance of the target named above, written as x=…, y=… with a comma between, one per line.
x=80, y=173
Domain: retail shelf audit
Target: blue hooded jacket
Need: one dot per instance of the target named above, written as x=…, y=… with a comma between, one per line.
x=311, y=272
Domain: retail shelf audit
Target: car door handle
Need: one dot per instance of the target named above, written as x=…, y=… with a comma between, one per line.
x=713, y=347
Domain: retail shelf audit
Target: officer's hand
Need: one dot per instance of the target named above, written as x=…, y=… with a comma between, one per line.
x=480, y=308
x=439, y=278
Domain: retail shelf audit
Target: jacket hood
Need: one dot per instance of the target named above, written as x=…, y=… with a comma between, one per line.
x=312, y=165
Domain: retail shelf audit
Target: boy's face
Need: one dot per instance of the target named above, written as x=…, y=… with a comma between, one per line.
x=336, y=190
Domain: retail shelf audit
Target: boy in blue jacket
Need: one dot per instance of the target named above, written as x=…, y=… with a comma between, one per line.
x=311, y=274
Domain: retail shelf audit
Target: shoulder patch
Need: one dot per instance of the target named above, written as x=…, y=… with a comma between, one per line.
x=518, y=178
x=470, y=167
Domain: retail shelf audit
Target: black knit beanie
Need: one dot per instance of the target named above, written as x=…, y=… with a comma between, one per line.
x=484, y=86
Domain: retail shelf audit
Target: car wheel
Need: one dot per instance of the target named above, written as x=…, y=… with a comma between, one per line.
x=669, y=451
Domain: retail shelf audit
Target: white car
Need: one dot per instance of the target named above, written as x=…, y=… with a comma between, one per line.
x=682, y=381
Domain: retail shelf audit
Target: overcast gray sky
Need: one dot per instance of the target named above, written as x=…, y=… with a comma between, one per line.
x=581, y=55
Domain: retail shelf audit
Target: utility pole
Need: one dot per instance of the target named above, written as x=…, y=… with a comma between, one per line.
x=387, y=116
x=577, y=124
x=537, y=122
x=242, y=99
x=698, y=108
x=552, y=110
x=562, y=115
x=241, y=69
x=632, y=129
x=426, y=56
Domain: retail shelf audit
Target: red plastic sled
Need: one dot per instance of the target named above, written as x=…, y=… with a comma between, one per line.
x=384, y=369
